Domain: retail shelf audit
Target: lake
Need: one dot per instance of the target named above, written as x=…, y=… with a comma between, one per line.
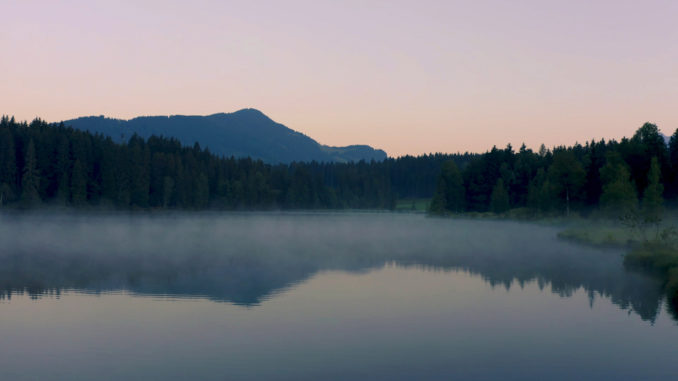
x=321, y=296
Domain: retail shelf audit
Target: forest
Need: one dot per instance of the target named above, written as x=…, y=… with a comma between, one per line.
x=48, y=165
x=611, y=178
x=43, y=164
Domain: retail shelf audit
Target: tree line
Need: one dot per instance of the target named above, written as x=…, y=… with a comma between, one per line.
x=614, y=178
x=43, y=164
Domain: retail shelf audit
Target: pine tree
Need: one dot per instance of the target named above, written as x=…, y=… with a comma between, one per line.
x=619, y=198
x=672, y=181
x=201, y=192
x=30, y=179
x=110, y=179
x=567, y=176
x=62, y=169
x=653, y=203
x=439, y=201
x=7, y=164
x=139, y=174
x=6, y=194
x=499, y=200
x=449, y=195
x=541, y=193
x=167, y=191
x=78, y=184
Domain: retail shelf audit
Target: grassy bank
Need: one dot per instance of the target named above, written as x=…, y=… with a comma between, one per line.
x=600, y=234
x=515, y=214
x=653, y=249
x=415, y=205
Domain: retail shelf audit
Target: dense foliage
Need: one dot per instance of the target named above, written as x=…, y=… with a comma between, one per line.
x=610, y=176
x=44, y=164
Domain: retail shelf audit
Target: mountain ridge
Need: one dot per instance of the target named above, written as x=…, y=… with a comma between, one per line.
x=244, y=133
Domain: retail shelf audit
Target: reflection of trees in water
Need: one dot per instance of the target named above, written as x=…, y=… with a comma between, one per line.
x=629, y=291
x=237, y=279
x=245, y=262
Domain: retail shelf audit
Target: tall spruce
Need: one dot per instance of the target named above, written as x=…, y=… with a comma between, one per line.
x=499, y=201
x=78, y=184
x=619, y=198
x=653, y=202
x=449, y=195
x=62, y=171
x=567, y=176
x=672, y=180
x=30, y=178
x=7, y=164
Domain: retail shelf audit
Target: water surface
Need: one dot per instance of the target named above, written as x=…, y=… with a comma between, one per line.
x=320, y=296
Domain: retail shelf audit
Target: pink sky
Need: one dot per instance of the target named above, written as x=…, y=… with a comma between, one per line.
x=410, y=77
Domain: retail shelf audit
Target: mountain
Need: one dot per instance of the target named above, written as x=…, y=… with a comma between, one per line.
x=243, y=133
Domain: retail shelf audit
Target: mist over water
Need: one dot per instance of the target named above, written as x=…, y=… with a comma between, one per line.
x=245, y=258
x=276, y=278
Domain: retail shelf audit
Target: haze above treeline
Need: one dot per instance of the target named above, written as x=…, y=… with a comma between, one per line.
x=43, y=164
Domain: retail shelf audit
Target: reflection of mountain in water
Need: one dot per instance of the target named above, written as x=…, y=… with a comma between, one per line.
x=245, y=259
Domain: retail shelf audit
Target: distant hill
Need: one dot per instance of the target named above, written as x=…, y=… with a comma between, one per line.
x=247, y=132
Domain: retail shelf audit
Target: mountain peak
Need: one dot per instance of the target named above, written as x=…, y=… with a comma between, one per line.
x=246, y=115
x=242, y=112
x=252, y=111
x=244, y=133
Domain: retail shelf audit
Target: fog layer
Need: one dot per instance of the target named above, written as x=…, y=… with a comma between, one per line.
x=247, y=258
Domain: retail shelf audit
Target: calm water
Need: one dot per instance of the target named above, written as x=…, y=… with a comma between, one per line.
x=321, y=297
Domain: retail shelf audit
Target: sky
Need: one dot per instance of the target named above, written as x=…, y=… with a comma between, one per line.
x=409, y=77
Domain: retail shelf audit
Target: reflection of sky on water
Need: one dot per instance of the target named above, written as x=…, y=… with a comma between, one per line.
x=389, y=323
x=246, y=259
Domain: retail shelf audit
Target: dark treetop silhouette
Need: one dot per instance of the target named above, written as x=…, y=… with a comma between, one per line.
x=49, y=164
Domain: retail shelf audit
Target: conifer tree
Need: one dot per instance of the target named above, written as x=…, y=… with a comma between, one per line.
x=672, y=181
x=653, y=203
x=439, y=201
x=7, y=164
x=78, y=184
x=567, y=176
x=201, y=192
x=29, y=180
x=167, y=191
x=449, y=195
x=6, y=194
x=499, y=201
x=139, y=162
x=62, y=171
x=619, y=198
